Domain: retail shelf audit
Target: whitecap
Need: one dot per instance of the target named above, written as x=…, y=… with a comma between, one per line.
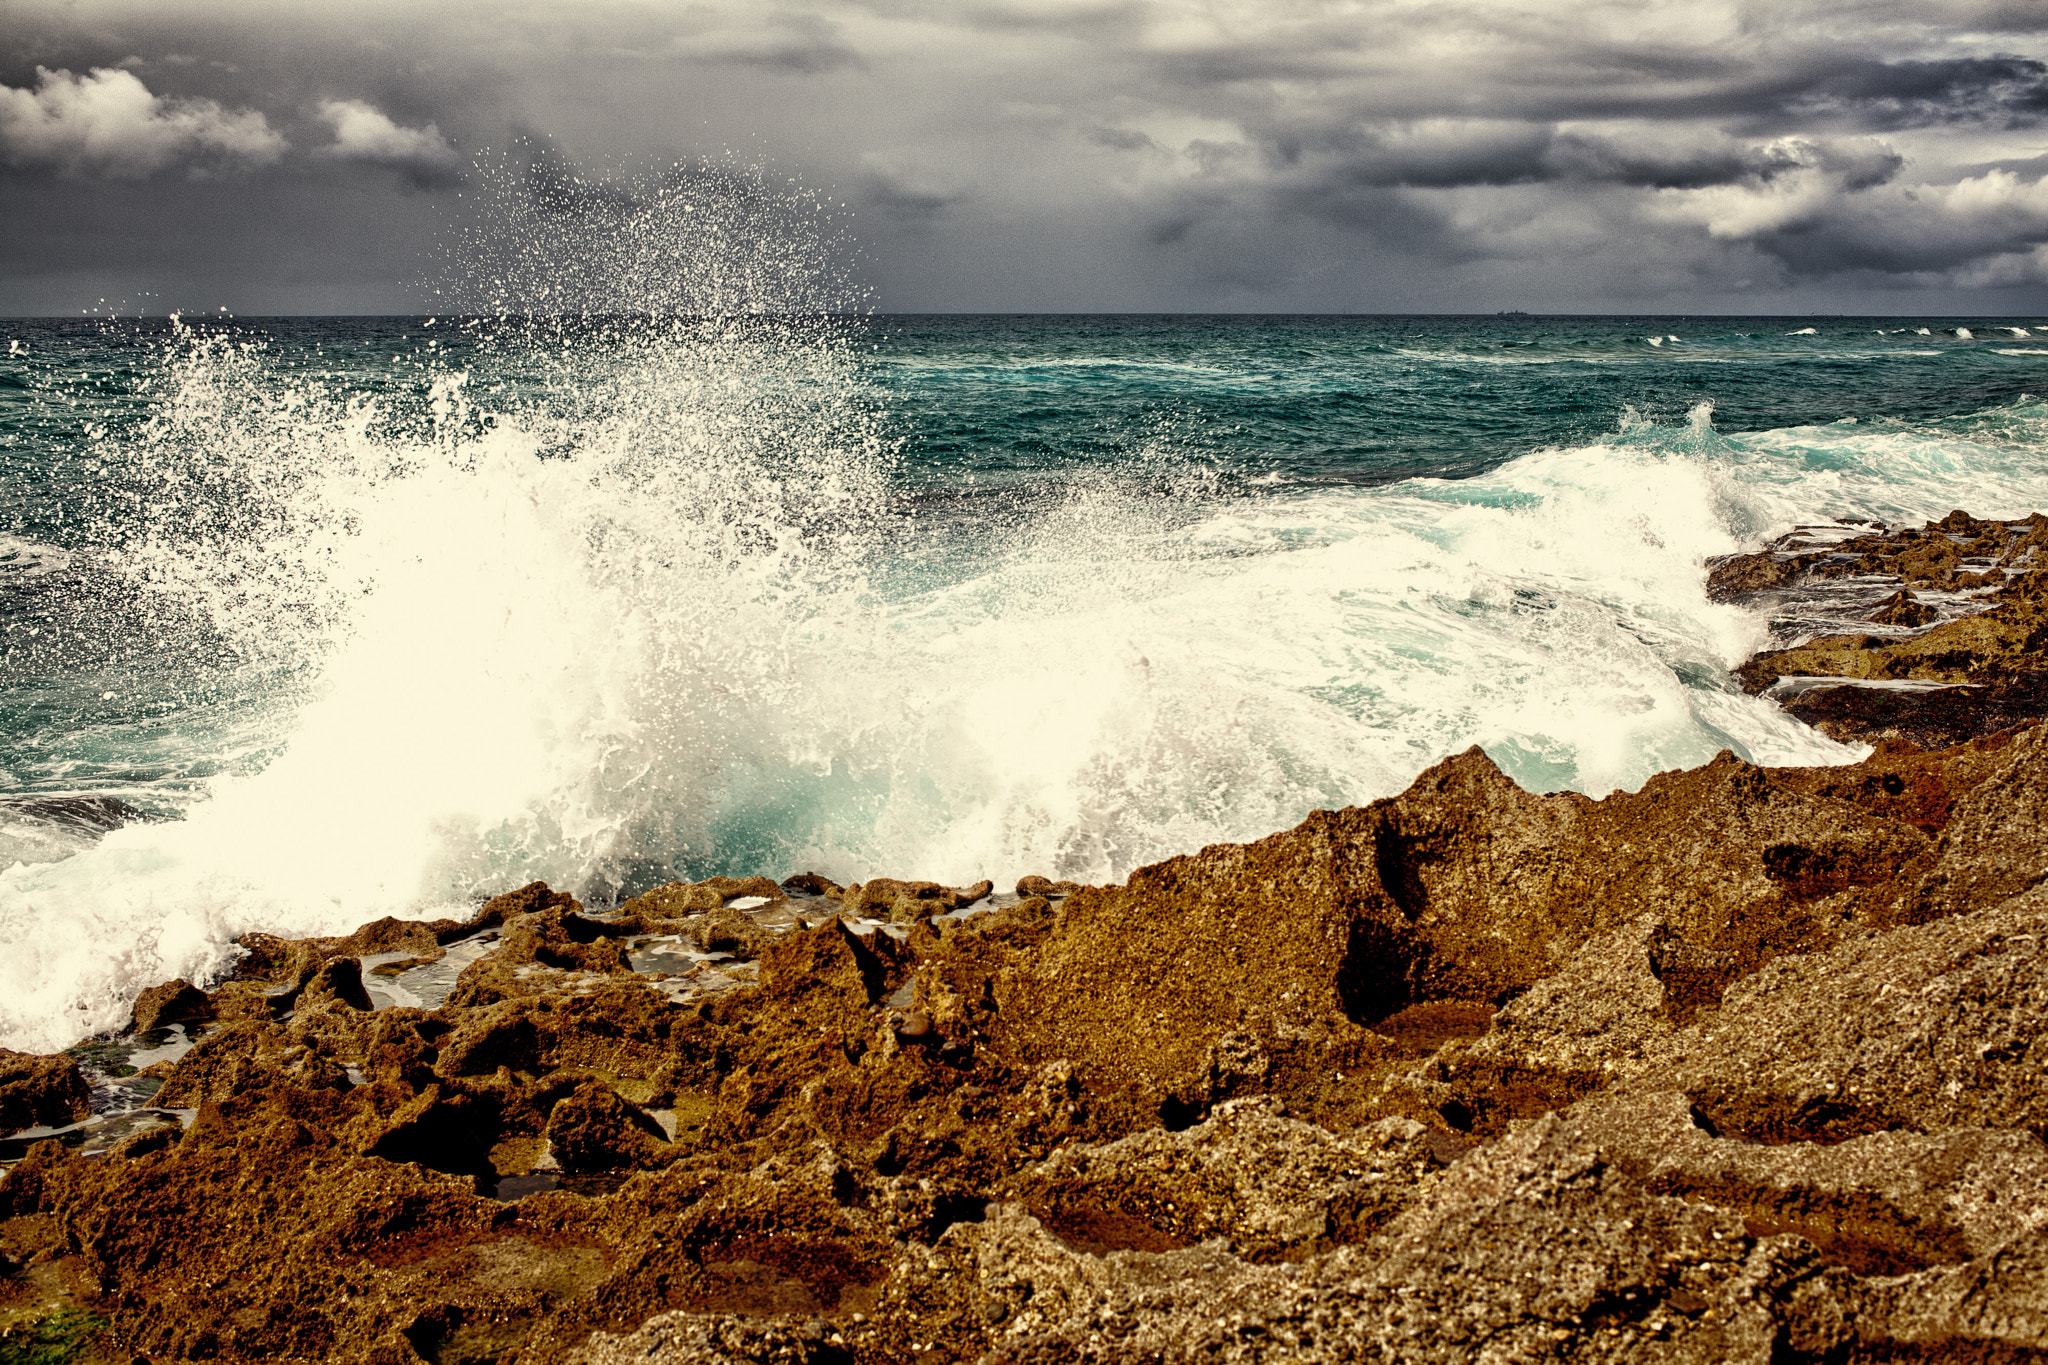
x=21, y=559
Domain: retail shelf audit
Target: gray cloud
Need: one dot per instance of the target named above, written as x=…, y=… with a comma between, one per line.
x=1059, y=154
x=795, y=41
x=365, y=134
x=906, y=197
x=2005, y=89
x=107, y=124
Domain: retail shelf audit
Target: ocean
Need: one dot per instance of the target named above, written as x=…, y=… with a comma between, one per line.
x=311, y=620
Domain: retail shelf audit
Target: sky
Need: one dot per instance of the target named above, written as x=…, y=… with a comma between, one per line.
x=1658, y=156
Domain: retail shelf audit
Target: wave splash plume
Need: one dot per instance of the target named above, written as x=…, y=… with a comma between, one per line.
x=626, y=571
x=491, y=635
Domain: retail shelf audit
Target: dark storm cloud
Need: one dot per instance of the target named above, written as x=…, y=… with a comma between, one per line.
x=1450, y=155
x=2004, y=89
x=555, y=189
x=1078, y=153
x=898, y=198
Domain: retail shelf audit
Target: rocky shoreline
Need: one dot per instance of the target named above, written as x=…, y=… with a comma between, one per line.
x=1742, y=1066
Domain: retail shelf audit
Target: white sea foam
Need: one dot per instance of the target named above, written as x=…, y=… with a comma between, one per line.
x=21, y=560
x=578, y=666
x=672, y=626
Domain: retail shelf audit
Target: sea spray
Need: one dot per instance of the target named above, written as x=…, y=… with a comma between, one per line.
x=493, y=642
x=608, y=598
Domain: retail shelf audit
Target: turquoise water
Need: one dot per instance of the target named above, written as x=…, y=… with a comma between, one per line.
x=346, y=617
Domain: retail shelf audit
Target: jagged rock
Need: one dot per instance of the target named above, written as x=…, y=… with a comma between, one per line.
x=243, y=1058
x=677, y=900
x=1737, y=1067
x=898, y=900
x=694, y=1339
x=594, y=1130
x=1035, y=885
x=1537, y=1247
x=174, y=1002
x=1995, y=844
x=560, y=936
x=1272, y=1187
x=1929, y=719
x=1882, y=1204
x=392, y=935
x=1903, y=609
x=1463, y=888
x=725, y=930
x=339, y=981
x=1930, y=1027
x=37, y=1091
x=1991, y=661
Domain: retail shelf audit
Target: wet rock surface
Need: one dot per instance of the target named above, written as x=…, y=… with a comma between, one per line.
x=1934, y=634
x=1742, y=1066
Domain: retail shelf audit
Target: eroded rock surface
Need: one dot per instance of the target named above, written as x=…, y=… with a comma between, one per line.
x=1960, y=646
x=1742, y=1066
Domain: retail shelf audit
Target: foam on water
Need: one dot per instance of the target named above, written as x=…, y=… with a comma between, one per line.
x=21, y=560
x=656, y=614
x=586, y=666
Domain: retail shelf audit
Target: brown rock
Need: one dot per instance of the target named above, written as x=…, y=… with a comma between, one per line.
x=530, y=899
x=1274, y=1188
x=1738, y=1067
x=339, y=981
x=557, y=936
x=679, y=899
x=1998, y=653
x=826, y=976
x=900, y=900
x=595, y=1130
x=1740, y=575
x=1930, y=1027
x=725, y=930
x=1995, y=844
x=1904, y=609
x=1884, y=1204
x=1035, y=885
x=245, y=1058
x=40, y=1092
x=716, y=1339
x=388, y=935
x=1935, y=719
x=1464, y=888
x=174, y=1002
